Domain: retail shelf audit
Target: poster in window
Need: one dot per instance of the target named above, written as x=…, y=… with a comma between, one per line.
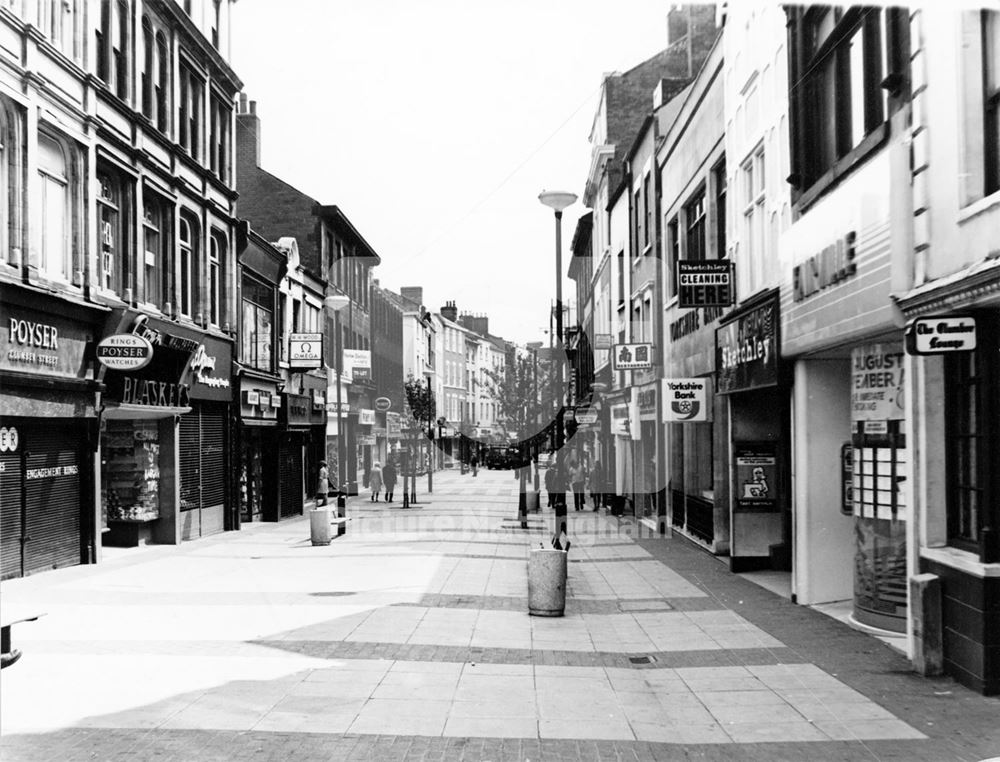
x=756, y=474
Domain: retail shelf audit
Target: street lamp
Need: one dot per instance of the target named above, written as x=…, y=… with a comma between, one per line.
x=334, y=303
x=558, y=200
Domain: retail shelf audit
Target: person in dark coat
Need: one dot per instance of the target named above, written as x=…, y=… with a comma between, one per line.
x=597, y=484
x=559, y=484
x=389, y=479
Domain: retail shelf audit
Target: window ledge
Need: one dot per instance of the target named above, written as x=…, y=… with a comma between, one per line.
x=978, y=207
x=961, y=560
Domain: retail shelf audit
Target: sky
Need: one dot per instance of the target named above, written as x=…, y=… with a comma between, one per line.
x=435, y=124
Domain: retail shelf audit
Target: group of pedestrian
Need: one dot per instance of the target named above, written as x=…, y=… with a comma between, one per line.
x=379, y=478
x=572, y=472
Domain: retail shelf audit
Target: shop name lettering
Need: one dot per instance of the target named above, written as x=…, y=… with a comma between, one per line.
x=747, y=350
x=202, y=364
x=833, y=265
x=938, y=343
x=684, y=390
x=691, y=322
x=647, y=400
x=154, y=393
x=51, y=473
x=29, y=334
x=877, y=371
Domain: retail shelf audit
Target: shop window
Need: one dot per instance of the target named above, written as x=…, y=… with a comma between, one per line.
x=697, y=233
x=256, y=330
x=991, y=98
x=114, y=242
x=156, y=269
x=972, y=430
x=839, y=85
x=55, y=245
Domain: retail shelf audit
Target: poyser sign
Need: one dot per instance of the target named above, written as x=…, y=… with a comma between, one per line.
x=685, y=400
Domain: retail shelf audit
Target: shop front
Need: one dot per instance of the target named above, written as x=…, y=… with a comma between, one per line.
x=48, y=433
x=315, y=388
x=164, y=438
x=257, y=479
x=749, y=377
x=294, y=441
x=647, y=481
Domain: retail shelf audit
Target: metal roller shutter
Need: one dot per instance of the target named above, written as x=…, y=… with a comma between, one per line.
x=11, y=505
x=52, y=497
x=189, y=440
x=213, y=471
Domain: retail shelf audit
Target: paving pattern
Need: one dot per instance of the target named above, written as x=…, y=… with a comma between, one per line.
x=408, y=639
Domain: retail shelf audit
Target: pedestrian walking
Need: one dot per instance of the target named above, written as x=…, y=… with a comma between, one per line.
x=577, y=481
x=375, y=480
x=389, y=479
x=475, y=464
x=322, y=484
x=597, y=496
x=550, y=475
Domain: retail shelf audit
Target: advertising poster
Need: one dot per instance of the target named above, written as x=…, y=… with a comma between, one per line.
x=877, y=384
x=756, y=477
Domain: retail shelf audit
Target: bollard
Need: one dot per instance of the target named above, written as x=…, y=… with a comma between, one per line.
x=546, y=582
x=319, y=526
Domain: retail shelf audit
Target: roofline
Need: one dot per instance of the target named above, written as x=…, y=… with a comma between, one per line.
x=338, y=215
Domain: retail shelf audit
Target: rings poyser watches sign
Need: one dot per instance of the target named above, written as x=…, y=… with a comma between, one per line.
x=124, y=351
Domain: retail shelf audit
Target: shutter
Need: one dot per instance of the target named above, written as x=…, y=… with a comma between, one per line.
x=10, y=513
x=213, y=471
x=52, y=497
x=190, y=460
x=290, y=475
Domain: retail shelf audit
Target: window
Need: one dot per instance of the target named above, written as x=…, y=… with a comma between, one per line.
x=694, y=218
x=186, y=265
x=11, y=181
x=647, y=211
x=148, y=65
x=190, y=115
x=56, y=19
x=219, y=138
x=216, y=257
x=113, y=215
x=119, y=52
x=637, y=224
x=157, y=272
x=674, y=248
x=621, y=279
x=112, y=39
x=840, y=92
x=162, y=86
x=55, y=254
x=991, y=97
x=101, y=36
x=256, y=343
x=753, y=206
x=719, y=179
x=216, y=22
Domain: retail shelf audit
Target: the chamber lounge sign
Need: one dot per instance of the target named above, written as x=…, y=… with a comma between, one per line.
x=746, y=349
x=940, y=335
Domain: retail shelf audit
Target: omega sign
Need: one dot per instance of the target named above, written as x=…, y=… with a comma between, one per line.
x=124, y=351
x=833, y=265
x=938, y=335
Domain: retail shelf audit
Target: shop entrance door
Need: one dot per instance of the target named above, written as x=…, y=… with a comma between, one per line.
x=203, y=472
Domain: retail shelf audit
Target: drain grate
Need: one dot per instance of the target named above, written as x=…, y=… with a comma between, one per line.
x=641, y=659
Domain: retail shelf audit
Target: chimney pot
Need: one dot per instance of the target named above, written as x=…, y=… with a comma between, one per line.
x=253, y=107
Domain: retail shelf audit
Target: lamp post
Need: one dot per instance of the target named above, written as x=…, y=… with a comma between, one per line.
x=335, y=303
x=558, y=200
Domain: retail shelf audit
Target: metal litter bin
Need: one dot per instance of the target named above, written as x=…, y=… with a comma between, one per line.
x=546, y=582
x=319, y=526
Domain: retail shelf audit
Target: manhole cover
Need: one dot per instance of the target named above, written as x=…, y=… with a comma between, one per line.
x=641, y=659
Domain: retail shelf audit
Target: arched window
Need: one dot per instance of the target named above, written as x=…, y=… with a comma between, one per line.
x=120, y=52
x=216, y=273
x=186, y=265
x=102, y=37
x=162, y=83
x=156, y=270
x=147, y=67
x=55, y=219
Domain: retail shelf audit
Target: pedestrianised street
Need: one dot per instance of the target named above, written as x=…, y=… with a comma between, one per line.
x=409, y=637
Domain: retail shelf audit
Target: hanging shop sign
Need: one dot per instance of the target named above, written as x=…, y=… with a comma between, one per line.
x=602, y=341
x=393, y=425
x=345, y=408
x=705, y=284
x=756, y=475
x=941, y=335
x=366, y=440
x=366, y=417
x=124, y=351
x=645, y=397
x=382, y=404
x=318, y=399
x=877, y=383
x=746, y=350
x=305, y=350
x=685, y=400
x=585, y=415
x=633, y=356
x=620, y=424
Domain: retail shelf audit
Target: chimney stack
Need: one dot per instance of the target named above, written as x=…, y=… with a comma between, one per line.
x=247, y=134
x=450, y=311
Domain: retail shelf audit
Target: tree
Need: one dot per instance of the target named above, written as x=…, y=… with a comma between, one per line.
x=420, y=401
x=516, y=391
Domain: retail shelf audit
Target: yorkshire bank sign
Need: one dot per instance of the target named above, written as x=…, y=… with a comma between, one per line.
x=685, y=400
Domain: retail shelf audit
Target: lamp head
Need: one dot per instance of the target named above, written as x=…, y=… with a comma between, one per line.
x=336, y=302
x=558, y=200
